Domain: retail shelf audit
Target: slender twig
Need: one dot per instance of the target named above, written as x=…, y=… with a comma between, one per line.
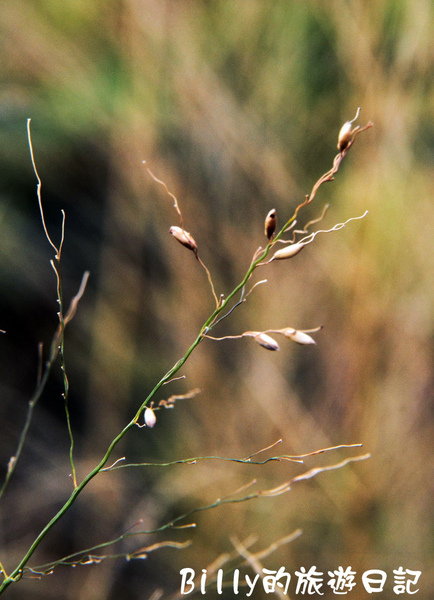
x=243, y=298
x=88, y=556
x=61, y=347
x=248, y=460
x=169, y=193
x=178, y=210
x=314, y=221
x=42, y=379
x=175, y=379
x=254, y=562
x=207, y=271
x=308, y=239
x=264, y=449
x=57, y=342
x=38, y=191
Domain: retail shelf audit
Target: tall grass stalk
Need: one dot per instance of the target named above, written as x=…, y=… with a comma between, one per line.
x=224, y=307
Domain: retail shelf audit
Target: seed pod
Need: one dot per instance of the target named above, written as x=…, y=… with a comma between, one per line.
x=288, y=252
x=184, y=238
x=297, y=336
x=344, y=136
x=270, y=224
x=150, y=418
x=266, y=341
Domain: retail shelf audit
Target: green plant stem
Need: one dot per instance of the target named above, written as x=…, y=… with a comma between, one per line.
x=56, y=267
x=18, y=571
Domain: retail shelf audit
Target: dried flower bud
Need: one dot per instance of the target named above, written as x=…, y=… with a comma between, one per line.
x=297, y=336
x=344, y=136
x=266, y=341
x=346, y=132
x=288, y=252
x=184, y=238
x=270, y=224
x=150, y=418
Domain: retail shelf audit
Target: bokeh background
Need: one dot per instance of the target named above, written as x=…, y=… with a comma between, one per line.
x=236, y=105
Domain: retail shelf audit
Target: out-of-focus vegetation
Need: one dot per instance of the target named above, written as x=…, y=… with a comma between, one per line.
x=236, y=105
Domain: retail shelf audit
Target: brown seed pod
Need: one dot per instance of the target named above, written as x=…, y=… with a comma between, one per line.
x=344, y=136
x=346, y=133
x=184, y=238
x=288, y=252
x=266, y=341
x=270, y=224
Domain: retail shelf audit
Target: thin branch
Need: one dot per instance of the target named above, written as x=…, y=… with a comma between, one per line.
x=316, y=470
x=314, y=221
x=227, y=337
x=88, y=556
x=203, y=265
x=42, y=379
x=248, y=460
x=76, y=299
x=308, y=239
x=38, y=191
x=143, y=552
x=282, y=489
x=72, y=309
x=61, y=331
x=189, y=243
x=175, y=201
x=278, y=544
x=169, y=403
x=264, y=449
x=253, y=561
x=112, y=467
x=329, y=176
x=62, y=238
x=174, y=379
x=311, y=236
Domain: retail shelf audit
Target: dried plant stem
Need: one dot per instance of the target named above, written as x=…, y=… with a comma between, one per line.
x=42, y=380
x=88, y=556
x=329, y=176
x=38, y=192
x=248, y=460
x=232, y=498
x=60, y=338
x=217, y=301
x=169, y=193
x=18, y=571
x=314, y=221
x=254, y=562
x=221, y=306
x=179, y=213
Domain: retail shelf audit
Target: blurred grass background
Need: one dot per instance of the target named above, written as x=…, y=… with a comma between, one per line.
x=236, y=106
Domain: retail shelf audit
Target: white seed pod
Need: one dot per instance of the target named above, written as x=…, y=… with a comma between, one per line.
x=184, y=238
x=297, y=336
x=344, y=136
x=150, y=418
x=266, y=341
x=288, y=251
x=270, y=223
